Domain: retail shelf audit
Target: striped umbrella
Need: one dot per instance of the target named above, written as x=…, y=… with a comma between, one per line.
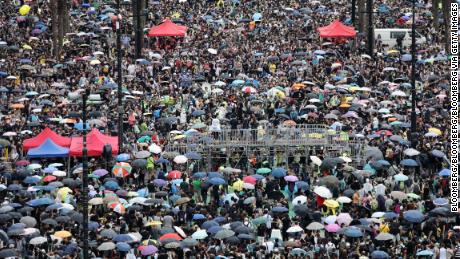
x=121, y=169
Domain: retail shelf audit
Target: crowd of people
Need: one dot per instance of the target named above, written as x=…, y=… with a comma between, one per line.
x=241, y=65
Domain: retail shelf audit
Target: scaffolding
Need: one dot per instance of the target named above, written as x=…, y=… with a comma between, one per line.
x=234, y=147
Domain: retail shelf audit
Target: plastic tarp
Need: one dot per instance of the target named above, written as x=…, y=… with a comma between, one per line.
x=95, y=142
x=47, y=133
x=337, y=30
x=167, y=28
x=48, y=149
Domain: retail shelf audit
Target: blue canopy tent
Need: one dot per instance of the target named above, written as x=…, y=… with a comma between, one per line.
x=47, y=150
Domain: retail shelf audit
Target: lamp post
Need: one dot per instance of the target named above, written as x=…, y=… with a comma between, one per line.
x=413, y=127
x=370, y=28
x=119, y=80
x=84, y=198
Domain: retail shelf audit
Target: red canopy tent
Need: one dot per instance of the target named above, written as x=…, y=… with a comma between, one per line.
x=337, y=30
x=95, y=142
x=47, y=133
x=167, y=28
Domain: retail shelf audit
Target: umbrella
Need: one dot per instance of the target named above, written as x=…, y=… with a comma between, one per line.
x=6, y=253
x=123, y=157
x=174, y=236
x=62, y=234
x=180, y=159
x=377, y=254
x=217, y=181
x=353, y=232
x=384, y=237
x=147, y=250
x=280, y=209
x=401, y=177
x=299, y=200
x=106, y=246
x=294, y=229
x=411, y=152
x=263, y=170
x=440, y=202
x=38, y=240
x=223, y=234
x=398, y=195
x=121, y=169
x=323, y=192
x=438, y=153
x=409, y=162
x=200, y=234
x=332, y=228
x=142, y=154
x=189, y=242
x=174, y=175
x=278, y=172
x=123, y=247
x=108, y=233
x=424, y=253
x=291, y=178
x=28, y=221
x=344, y=218
x=413, y=216
x=343, y=199
x=315, y=226
x=444, y=172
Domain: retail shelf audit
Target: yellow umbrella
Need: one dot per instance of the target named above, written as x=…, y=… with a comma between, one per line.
x=354, y=88
x=28, y=47
x=175, y=15
x=152, y=223
x=344, y=105
x=179, y=137
x=331, y=204
x=150, y=242
x=238, y=185
x=435, y=130
x=393, y=51
x=63, y=192
x=24, y=10
x=62, y=234
x=95, y=62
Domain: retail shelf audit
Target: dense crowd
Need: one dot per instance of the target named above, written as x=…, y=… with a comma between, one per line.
x=241, y=65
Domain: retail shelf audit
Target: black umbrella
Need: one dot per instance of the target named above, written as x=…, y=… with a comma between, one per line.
x=4, y=237
x=62, y=219
x=5, y=217
x=50, y=222
x=301, y=210
x=139, y=163
x=8, y=253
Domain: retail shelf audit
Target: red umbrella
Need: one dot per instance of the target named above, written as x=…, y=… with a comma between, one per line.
x=174, y=174
x=250, y=179
x=49, y=178
x=174, y=236
x=22, y=163
x=384, y=132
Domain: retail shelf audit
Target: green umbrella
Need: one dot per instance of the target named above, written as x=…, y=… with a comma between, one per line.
x=264, y=170
x=144, y=139
x=199, y=125
x=259, y=220
x=34, y=166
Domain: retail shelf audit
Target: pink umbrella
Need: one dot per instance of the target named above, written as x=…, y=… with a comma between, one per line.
x=344, y=218
x=291, y=178
x=332, y=228
x=250, y=179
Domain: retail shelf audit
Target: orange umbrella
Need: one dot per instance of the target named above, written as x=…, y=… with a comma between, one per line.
x=174, y=174
x=298, y=86
x=49, y=178
x=289, y=123
x=17, y=106
x=174, y=236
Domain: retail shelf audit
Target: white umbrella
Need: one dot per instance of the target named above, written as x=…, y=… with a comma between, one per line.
x=343, y=199
x=212, y=51
x=96, y=201
x=378, y=214
x=106, y=246
x=323, y=192
x=154, y=148
x=299, y=200
x=294, y=229
x=316, y=160
x=248, y=186
x=38, y=241
x=180, y=231
x=330, y=219
x=59, y=173
x=200, y=234
x=384, y=237
x=398, y=93
x=180, y=159
x=315, y=226
x=411, y=152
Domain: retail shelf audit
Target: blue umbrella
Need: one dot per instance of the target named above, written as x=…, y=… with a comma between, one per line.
x=111, y=185
x=440, y=201
x=384, y=162
x=425, y=253
x=237, y=82
x=123, y=247
x=32, y=179
x=160, y=182
x=217, y=181
x=390, y=215
x=278, y=172
x=93, y=226
x=413, y=216
x=377, y=254
x=319, y=52
x=209, y=224
x=199, y=175
x=14, y=187
x=79, y=126
x=257, y=17
x=123, y=157
x=280, y=209
x=25, y=60
x=438, y=153
x=162, y=160
x=122, y=238
x=40, y=202
x=3, y=74
x=406, y=57
x=280, y=110
x=445, y=172
x=49, y=170
x=409, y=162
x=302, y=185
x=193, y=155
x=353, y=232
x=258, y=177
x=198, y=113
x=215, y=174
x=214, y=229
x=198, y=216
